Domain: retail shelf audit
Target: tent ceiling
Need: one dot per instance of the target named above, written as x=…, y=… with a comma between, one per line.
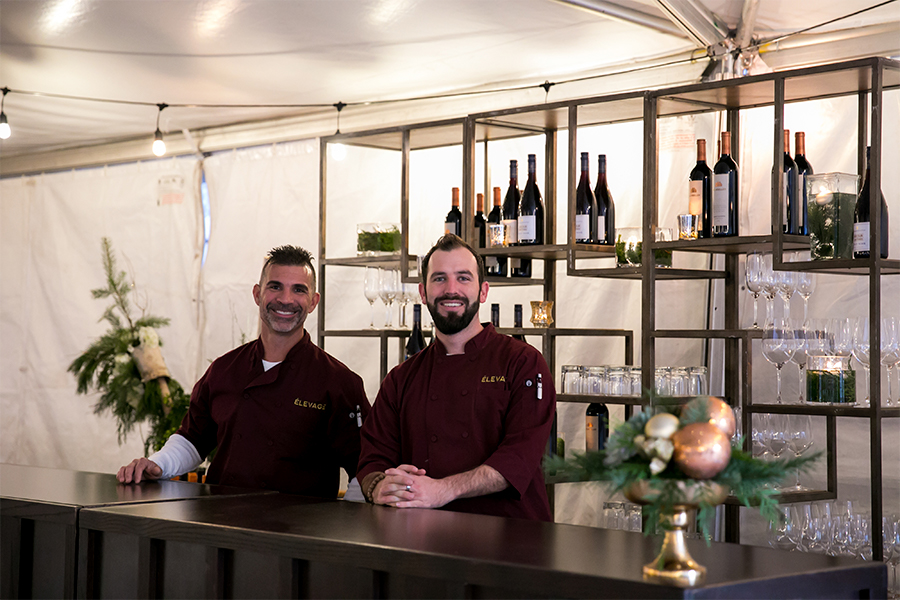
x=314, y=52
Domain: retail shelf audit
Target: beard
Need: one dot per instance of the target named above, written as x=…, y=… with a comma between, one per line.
x=282, y=324
x=453, y=323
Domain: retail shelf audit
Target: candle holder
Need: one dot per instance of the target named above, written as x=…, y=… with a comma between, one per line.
x=830, y=203
x=830, y=380
x=541, y=313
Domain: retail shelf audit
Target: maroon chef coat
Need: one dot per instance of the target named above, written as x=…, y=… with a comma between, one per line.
x=288, y=429
x=450, y=414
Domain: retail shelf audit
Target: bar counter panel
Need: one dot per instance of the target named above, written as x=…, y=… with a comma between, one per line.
x=288, y=546
x=39, y=511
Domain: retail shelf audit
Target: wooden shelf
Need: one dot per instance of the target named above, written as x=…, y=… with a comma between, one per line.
x=734, y=245
x=837, y=410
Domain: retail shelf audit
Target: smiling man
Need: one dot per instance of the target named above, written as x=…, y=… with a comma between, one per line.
x=282, y=413
x=463, y=424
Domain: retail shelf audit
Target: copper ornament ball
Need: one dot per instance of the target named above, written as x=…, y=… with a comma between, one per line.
x=720, y=414
x=702, y=450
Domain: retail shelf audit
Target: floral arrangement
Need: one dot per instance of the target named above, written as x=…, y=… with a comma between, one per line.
x=126, y=365
x=682, y=457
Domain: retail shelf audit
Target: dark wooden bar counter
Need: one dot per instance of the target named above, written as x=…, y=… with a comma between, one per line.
x=39, y=511
x=283, y=546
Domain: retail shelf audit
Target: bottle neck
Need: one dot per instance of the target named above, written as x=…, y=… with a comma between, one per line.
x=517, y=315
x=479, y=203
x=497, y=199
x=801, y=143
x=513, y=173
x=601, y=169
x=787, y=142
x=417, y=316
x=701, y=151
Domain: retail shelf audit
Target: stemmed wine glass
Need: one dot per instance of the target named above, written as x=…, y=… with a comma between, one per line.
x=781, y=531
x=753, y=277
x=786, y=283
x=801, y=351
x=890, y=350
x=769, y=286
x=841, y=335
x=387, y=289
x=403, y=300
x=373, y=278
x=861, y=349
x=777, y=348
x=799, y=440
x=775, y=434
x=806, y=285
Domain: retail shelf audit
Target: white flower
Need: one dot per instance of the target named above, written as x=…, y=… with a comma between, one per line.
x=122, y=359
x=148, y=337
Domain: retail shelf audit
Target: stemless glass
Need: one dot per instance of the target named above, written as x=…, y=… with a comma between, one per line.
x=890, y=351
x=754, y=270
x=371, y=291
x=777, y=348
x=801, y=351
x=861, y=349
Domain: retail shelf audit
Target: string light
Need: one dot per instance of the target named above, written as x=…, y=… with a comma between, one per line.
x=5, y=131
x=159, y=146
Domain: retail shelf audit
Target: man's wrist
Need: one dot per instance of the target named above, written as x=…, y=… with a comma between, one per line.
x=369, y=483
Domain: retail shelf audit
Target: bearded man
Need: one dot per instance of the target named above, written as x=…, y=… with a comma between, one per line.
x=281, y=412
x=462, y=425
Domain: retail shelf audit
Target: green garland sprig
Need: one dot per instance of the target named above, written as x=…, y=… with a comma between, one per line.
x=109, y=367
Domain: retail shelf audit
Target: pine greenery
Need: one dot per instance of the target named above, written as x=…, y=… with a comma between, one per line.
x=108, y=366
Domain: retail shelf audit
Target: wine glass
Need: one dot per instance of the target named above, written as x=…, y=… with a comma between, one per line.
x=769, y=286
x=780, y=531
x=387, y=289
x=806, y=285
x=403, y=300
x=371, y=291
x=801, y=515
x=890, y=350
x=841, y=335
x=777, y=348
x=801, y=351
x=894, y=582
x=786, y=284
x=774, y=436
x=861, y=349
x=799, y=440
x=753, y=277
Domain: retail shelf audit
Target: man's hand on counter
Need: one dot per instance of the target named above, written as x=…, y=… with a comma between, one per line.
x=139, y=468
x=407, y=486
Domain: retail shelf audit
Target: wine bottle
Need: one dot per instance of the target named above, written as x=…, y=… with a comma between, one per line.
x=416, y=341
x=725, y=192
x=804, y=169
x=517, y=322
x=495, y=265
x=701, y=190
x=531, y=217
x=606, y=209
x=790, y=213
x=511, y=214
x=862, y=217
x=585, y=206
x=596, y=426
x=453, y=222
x=480, y=223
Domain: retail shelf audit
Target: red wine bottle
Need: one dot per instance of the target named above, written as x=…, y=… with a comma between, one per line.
x=480, y=223
x=606, y=208
x=453, y=222
x=531, y=217
x=596, y=426
x=585, y=206
x=416, y=341
x=517, y=322
x=495, y=265
x=790, y=216
x=495, y=315
x=862, y=218
x=804, y=169
x=725, y=192
x=511, y=215
x=701, y=190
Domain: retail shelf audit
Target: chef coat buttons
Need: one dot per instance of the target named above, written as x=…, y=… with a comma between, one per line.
x=465, y=392
x=271, y=443
x=434, y=396
x=239, y=436
x=465, y=434
x=246, y=395
x=434, y=438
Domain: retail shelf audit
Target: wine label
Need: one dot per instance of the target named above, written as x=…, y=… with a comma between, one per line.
x=695, y=198
x=527, y=229
x=860, y=237
x=601, y=229
x=510, y=231
x=720, y=201
x=591, y=433
x=582, y=228
x=450, y=227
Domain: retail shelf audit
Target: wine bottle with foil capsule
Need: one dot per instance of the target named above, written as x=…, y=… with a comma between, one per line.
x=530, y=219
x=453, y=222
x=585, y=206
x=804, y=169
x=862, y=218
x=511, y=215
x=495, y=265
x=416, y=341
x=700, y=191
x=480, y=222
x=725, y=192
x=606, y=208
x=790, y=215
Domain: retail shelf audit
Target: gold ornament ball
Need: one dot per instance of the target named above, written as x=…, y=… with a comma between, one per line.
x=702, y=450
x=663, y=425
x=720, y=414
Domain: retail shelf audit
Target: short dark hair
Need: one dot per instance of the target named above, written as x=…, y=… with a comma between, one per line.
x=446, y=243
x=289, y=256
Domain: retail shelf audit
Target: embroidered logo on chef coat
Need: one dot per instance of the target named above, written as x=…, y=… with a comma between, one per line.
x=493, y=379
x=307, y=404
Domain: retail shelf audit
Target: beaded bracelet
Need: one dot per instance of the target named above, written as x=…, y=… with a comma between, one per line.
x=371, y=489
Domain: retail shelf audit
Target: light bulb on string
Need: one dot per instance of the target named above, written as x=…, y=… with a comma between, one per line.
x=5, y=131
x=159, y=146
